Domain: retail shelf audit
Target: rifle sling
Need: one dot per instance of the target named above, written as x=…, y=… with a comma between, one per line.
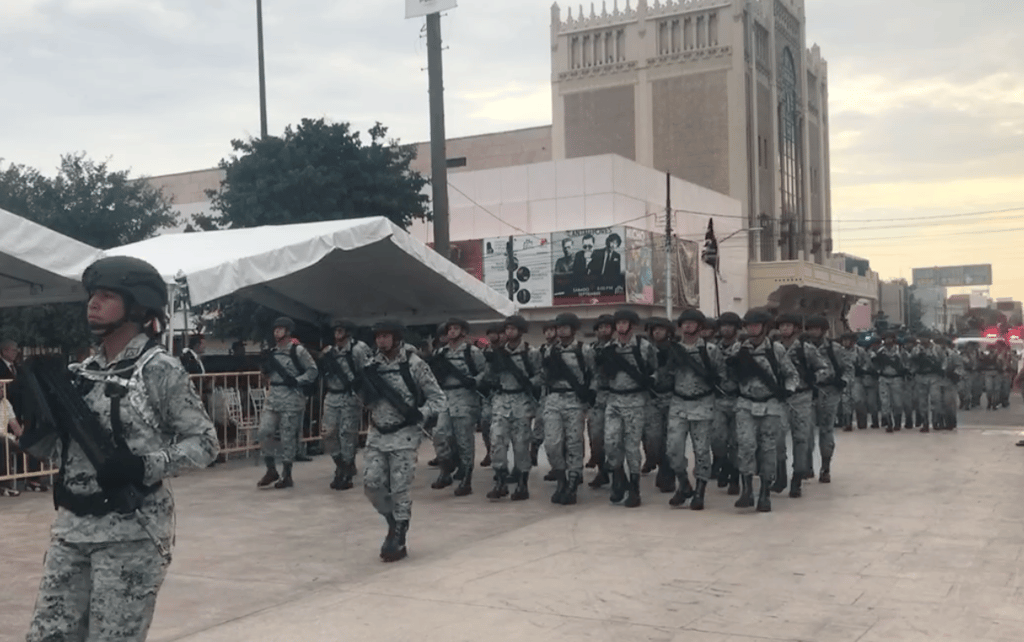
x=705, y=372
x=632, y=371
x=508, y=364
x=765, y=378
x=393, y=397
x=569, y=376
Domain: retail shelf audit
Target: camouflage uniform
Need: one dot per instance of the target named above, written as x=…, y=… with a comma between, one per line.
x=928, y=363
x=829, y=392
x=390, y=457
x=890, y=364
x=285, y=407
x=564, y=412
x=798, y=411
x=343, y=410
x=595, y=417
x=723, y=434
x=759, y=412
x=655, y=434
x=859, y=390
x=102, y=573
x=989, y=366
x=457, y=424
x=538, y=432
x=513, y=408
x=953, y=375
x=692, y=409
x=626, y=412
x=845, y=414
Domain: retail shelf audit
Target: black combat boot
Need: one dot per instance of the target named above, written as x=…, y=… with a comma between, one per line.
x=780, y=477
x=500, y=485
x=794, y=486
x=683, y=491
x=286, y=480
x=460, y=471
x=874, y=420
x=697, y=503
x=559, y=494
x=465, y=485
x=551, y=475
x=433, y=463
x=734, y=480
x=665, y=480
x=716, y=467
x=725, y=474
x=601, y=478
x=388, y=543
x=534, y=452
x=920, y=418
x=746, y=499
x=862, y=420
x=908, y=421
x=897, y=421
x=764, y=496
x=887, y=423
x=486, y=461
x=826, y=471
x=270, y=476
x=594, y=461
x=340, y=470
x=650, y=463
x=925, y=427
x=522, y=490
x=397, y=550
x=618, y=485
x=444, y=476
x=633, y=492
x=573, y=482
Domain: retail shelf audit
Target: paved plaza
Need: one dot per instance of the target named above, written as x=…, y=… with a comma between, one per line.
x=919, y=537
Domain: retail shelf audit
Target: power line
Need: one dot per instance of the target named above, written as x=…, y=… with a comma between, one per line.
x=930, y=236
x=939, y=216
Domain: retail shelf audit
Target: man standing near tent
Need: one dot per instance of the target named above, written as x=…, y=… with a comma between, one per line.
x=112, y=538
x=402, y=394
x=290, y=369
x=342, y=365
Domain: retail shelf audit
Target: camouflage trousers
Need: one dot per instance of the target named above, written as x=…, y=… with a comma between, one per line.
x=97, y=591
x=799, y=422
x=756, y=438
x=656, y=428
x=595, y=428
x=928, y=394
x=537, y=432
x=564, y=418
x=681, y=426
x=279, y=433
x=342, y=418
x=844, y=415
x=977, y=385
x=511, y=426
x=723, y=430
x=387, y=480
x=455, y=439
x=890, y=394
x=950, y=398
x=872, y=400
x=624, y=420
x=825, y=407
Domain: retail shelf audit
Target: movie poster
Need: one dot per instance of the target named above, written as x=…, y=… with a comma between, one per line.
x=685, y=277
x=526, y=273
x=639, y=266
x=468, y=255
x=587, y=266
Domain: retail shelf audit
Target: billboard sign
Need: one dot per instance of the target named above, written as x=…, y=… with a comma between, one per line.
x=420, y=8
x=587, y=266
x=529, y=264
x=953, y=276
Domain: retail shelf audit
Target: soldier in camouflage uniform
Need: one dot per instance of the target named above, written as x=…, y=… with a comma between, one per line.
x=862, y=370
x=495, y=338
x=394, y=378
x=852, y=350
x=872, y=394
x=538, y=433
x=911, y=403
x=104, y=567
x=766, y=378
x=603, y=328
x=989, y=366
x=952, y=375
x=723, y=435
x=343, y=410
x=569, y=377
x=515, y=371
x=696, y=369
x=798, y=410
x=288, y=367
x=829, y=392
x=459, y=368
x=928, y=362
x=662, y=333
x=709, y=329
x=440, y=341
x=890, y=364
x=629, y=363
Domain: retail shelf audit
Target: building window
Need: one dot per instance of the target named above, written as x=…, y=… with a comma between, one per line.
x=677, y=37
x=688, y=33
x=713, y=30
x=702, y=32
x=620, y=45
x=574, y=53
x=586, y=51
x=791, y=179
x=456, y=162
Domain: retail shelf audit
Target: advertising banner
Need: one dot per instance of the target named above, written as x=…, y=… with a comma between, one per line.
x=954, y=275
x=640, y=266
x=530, y=263
x=420, y=8
x=587, y=266
x=468, y=255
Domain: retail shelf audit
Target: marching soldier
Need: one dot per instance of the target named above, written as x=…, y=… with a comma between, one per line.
x=709, y=329
x=629, y=364
x=291, y=371
x=723, y=437
x=696, y=369
x=569, y=375
x=401, y=394
x=342, y=364
x=928, y=363
x=662, y=334
x=516, y=370
x=495, y=337
x=111, y=540
x=603, y=328
x=890, y=364
x=766, y=378
x=460, y=368
x=829, y=392
x=989, y=367
x=853, y=357
x=952, y=375
x=912, y=403
x=798, y=409
x=537, y=435
x=862, y=370
x=872, y=399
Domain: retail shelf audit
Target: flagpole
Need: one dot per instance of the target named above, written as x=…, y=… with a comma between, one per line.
x=668, y=246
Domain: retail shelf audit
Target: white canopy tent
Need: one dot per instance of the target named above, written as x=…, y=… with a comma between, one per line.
x=361, y=269
x=38, y=265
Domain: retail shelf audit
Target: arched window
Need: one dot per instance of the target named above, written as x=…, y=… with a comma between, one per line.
x=790, y=178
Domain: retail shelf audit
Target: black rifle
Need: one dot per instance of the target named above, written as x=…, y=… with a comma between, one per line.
x=616, y=363
x=55, y=407
x=882, y=360
x=681, y=357
x=271, y=362
x=375, y=388
x=331, y=366
x=747, y=367
x=503, y=362
x=560, y=370
x=443, y=368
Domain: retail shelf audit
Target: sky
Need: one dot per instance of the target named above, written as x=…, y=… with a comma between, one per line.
x=926, y=98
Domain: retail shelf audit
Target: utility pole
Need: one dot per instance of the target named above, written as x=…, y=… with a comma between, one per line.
x=510, y=265
x=263, y=77
x=438, y=153
x=668, y=246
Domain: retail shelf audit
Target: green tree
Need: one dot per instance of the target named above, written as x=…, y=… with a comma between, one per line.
x=317, y=171
x=86, y=201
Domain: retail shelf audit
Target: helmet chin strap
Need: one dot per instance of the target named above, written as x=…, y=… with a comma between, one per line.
x=103, y=330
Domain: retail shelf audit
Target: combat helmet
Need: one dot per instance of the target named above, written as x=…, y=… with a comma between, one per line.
x=518, y=322
x=284, y=322
x=693, y=314
x=135, y=280
x=626, y=315
x=569, y=319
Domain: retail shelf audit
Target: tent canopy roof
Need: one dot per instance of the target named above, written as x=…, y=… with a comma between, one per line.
x=361, y=269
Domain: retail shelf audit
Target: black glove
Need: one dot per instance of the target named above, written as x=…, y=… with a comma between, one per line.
x=417, y=415
x=121, y=469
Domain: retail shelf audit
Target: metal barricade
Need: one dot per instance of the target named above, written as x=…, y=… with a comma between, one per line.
x=17, y=469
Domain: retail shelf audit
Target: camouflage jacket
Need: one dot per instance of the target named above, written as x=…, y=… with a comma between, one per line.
x=619, y=381
x=691, y=391
x=925, y=360
x=469, y=360
x=525, y=358
x=755, y=396
x=885, y=360
x=283, y=397
x=359, y=353
x=730, y=386
x=428, y=398
x=578, y=357
x=811, y=367
x=833, y=353
x=164, y=422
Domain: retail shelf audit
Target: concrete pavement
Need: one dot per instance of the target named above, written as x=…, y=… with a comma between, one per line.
x=919, y=537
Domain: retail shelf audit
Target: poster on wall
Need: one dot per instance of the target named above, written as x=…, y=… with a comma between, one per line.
x=640, y=266
x=587, y=266
x=525, y=271
x=468, y=255
x=685, y=274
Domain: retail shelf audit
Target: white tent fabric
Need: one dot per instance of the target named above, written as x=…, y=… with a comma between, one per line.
x=38, y=265
x=361, y=269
